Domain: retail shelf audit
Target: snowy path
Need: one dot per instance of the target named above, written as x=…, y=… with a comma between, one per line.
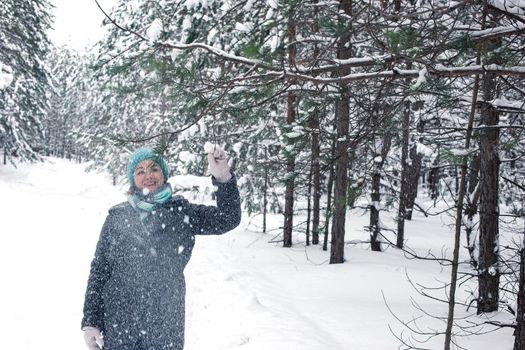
x=51, y=216
x=253, y=310
x=243, y=292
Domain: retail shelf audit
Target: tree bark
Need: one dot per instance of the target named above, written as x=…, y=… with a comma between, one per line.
x=265, y=191
x=403, y=193
x=316, y=147
x=375, y=229
x=290, y=162
x=488, y=272
x=519, y=335
x=341, y=180
x=309, y=204
x=290, y=183
x=414, y=171
x=375, y=243
x=471, y=209
x=488, y=277
x=433, y=179
x=344, y=51
x=329, y=191
x=316, y=178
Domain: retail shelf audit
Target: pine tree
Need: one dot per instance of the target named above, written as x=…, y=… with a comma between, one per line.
x=23, y=48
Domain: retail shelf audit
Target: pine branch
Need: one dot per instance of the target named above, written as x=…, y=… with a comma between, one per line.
x=170, y=134
x=117, y=25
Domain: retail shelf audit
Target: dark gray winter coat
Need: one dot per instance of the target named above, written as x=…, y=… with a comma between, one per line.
x=136, y=288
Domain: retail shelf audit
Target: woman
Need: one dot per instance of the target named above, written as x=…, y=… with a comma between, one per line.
x=136, y=289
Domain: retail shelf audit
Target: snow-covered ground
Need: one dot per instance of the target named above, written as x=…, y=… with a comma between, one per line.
x=244, y=291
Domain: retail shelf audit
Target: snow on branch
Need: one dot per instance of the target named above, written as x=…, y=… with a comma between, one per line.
x=438, y=71
x=514, y=7
x=503, y=103
x=219, y=53
x=496, y=32
x=6, y=76
x=314, y=75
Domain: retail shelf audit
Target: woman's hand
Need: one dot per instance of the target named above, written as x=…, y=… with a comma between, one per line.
x=218, y=164
x=93, y=338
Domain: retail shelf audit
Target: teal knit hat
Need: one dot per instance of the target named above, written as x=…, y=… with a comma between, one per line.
x=143, y=154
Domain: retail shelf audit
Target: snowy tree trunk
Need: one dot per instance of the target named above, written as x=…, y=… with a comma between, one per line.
x=309, y=204
x=316, y=178
x=433, y=179
x=375, y=229
x=471, y=209
x=519, y=340
x=488, y=272
x=375, y=243
x=290, y=183
x=344, y=51
x=329, y=190
x=316, y=146
x=290, y=162
x=265, y=191
x=488, y=278
x=403, y=193
x=341, y=180
x=414, y=171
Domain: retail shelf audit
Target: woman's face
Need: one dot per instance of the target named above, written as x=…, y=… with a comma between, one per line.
x=148, y=175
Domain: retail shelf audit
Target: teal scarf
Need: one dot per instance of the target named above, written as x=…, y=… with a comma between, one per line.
x=148, y=202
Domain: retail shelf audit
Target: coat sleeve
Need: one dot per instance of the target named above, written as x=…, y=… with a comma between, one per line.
x=98, y=276
x=219, y=219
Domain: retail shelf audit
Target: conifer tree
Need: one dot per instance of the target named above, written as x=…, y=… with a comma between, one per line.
x=23, y=48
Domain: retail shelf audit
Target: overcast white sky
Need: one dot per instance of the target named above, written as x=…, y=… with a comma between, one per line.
x=78, y=22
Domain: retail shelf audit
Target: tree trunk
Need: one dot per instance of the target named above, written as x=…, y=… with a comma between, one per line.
x=375, y=243
x=290, y=162
x=341, y=180
x=375, y=229
x=471, y=209
x=488, y=278
x=403, y=193
x=290, y=183
x=316, y=177
x=316, y=148
x=265, y=190
x=414, y=171
x=433, y=179
x=344, y=51
x=309, y=204
x=329, y=191
x=488, y=272
x=519, y=334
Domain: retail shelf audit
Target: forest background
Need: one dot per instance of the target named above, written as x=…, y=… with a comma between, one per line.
x=320, y=104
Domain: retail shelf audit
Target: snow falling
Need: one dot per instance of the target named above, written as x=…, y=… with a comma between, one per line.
x=196, y=67
x=242, y=291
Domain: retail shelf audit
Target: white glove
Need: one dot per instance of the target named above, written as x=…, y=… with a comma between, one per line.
x=218, y=164
x=93, y=338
